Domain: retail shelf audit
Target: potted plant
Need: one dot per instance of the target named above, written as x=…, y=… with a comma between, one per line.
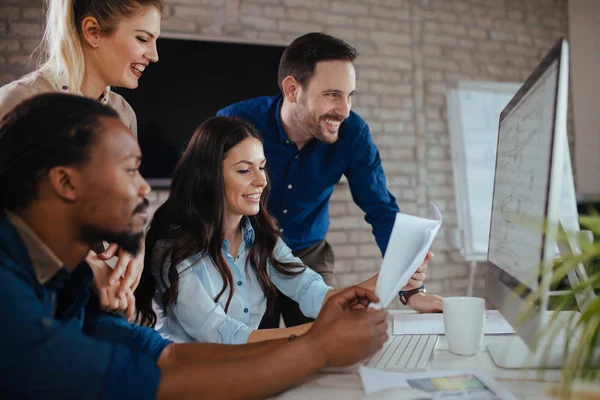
x=580, y=377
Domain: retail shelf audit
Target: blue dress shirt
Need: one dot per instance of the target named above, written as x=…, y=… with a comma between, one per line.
x=302, y=181
x=56, y=344
x=196, y=316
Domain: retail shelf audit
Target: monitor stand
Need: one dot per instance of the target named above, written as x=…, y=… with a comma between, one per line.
x=515, y=354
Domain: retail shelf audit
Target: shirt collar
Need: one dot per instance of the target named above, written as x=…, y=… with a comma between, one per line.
x=283, y=137
x=247, y=235
x=59, y=81
x=45, y=263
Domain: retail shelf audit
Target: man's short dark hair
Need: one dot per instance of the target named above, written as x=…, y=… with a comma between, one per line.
x=43, y=132
x=302, y=55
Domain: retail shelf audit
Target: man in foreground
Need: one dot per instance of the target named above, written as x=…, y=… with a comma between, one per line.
x=68, y=178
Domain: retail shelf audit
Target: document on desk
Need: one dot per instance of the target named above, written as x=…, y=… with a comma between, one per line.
x=433, y=324
x=409, y=243
x=463, y=385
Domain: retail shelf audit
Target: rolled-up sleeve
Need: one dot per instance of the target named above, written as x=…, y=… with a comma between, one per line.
x=201, y=317
x=46, y=358
x=307, y=288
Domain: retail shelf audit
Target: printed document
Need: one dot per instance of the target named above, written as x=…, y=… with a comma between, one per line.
x=433, y=324
x=447, y=385
x=409, y=243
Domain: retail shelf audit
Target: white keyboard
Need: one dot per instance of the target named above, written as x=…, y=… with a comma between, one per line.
x=405, y=353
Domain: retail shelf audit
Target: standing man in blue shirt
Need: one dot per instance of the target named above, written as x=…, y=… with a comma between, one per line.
x=312, y=138
x=68, y=178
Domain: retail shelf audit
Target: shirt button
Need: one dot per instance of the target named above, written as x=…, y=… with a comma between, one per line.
x=287, y=141
x=65, y=87
x=281, y=230
x=285, y=211
x=246, y=310
x=289, y=186
x=239, y=283
x=46, y=322
x=296, y=157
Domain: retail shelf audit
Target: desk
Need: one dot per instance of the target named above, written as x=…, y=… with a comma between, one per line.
x=524, y=384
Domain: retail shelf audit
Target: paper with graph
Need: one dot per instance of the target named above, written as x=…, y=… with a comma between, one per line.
x=409, y=243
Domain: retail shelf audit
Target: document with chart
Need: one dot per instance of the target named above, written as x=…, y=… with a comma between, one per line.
x=409, y=243
x=434, y=385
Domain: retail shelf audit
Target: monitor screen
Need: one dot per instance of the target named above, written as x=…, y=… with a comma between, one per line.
x=522, y=176
x=528, y=185
x=191, y=81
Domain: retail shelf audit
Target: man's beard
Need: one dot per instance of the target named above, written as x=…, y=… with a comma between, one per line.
x=305, y=120
x=127, y=241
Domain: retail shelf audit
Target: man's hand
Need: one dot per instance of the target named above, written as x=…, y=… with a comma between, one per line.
x=419, y=276
x=346, y=334
x=425, y=303
x=128, y=267
x=109, y=296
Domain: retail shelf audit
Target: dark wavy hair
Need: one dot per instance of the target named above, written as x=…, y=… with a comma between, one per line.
x=191, y=220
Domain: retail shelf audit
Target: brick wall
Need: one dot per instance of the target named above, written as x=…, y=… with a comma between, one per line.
x=410, y=51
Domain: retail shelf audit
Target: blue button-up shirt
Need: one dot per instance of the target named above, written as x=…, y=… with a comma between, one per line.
x=196, y=316
x=55, y=343
x=302, y=181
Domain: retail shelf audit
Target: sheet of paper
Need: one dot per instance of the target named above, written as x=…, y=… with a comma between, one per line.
x=433, y=324
x=462, y=385
x=409, y=243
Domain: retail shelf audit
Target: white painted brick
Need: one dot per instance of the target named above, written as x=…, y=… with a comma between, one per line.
x=345, y=7
x=326, y=18
x=298, y=14
x=390, y=37
x=205, y=16
x=251, y=9
x=274, y=12
x=258, y=22
x=272, y=2
x=384, y=12
x=337, y=238
x=177, y=25
x=298, y=27
x=309, y=4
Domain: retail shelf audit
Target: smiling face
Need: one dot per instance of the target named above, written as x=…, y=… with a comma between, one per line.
x=244, y=177
x=122, y=56
x=111, y=199
x=327, y=99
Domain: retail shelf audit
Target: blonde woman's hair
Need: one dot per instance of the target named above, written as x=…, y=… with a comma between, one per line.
x=62, y=44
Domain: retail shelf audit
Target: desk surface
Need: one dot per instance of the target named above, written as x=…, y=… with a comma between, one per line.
x=524, y=384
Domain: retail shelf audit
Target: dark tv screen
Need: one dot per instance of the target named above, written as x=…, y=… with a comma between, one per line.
x=191, y=81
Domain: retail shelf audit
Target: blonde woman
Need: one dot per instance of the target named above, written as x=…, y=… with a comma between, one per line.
x=89, y=46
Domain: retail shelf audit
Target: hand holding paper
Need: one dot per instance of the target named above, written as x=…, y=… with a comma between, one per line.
x=409, y=243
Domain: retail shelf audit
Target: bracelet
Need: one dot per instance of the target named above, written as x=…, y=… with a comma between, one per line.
x=405, y=295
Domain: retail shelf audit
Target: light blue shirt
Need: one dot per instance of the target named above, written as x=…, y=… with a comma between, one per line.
x=196, y=316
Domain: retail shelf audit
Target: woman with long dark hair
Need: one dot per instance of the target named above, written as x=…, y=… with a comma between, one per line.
x=214, y=252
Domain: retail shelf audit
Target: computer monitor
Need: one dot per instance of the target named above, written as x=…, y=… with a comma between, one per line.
x=533, y=198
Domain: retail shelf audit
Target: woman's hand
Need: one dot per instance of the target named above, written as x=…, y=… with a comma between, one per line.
x=416, y=281
x=128, y=267
x=425, y=303
x=111, y=298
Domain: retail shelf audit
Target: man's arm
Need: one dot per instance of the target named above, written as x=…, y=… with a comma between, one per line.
x=341, y=336
x=368, y=187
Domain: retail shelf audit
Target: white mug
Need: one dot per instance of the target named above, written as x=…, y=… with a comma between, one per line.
x=463, y=324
